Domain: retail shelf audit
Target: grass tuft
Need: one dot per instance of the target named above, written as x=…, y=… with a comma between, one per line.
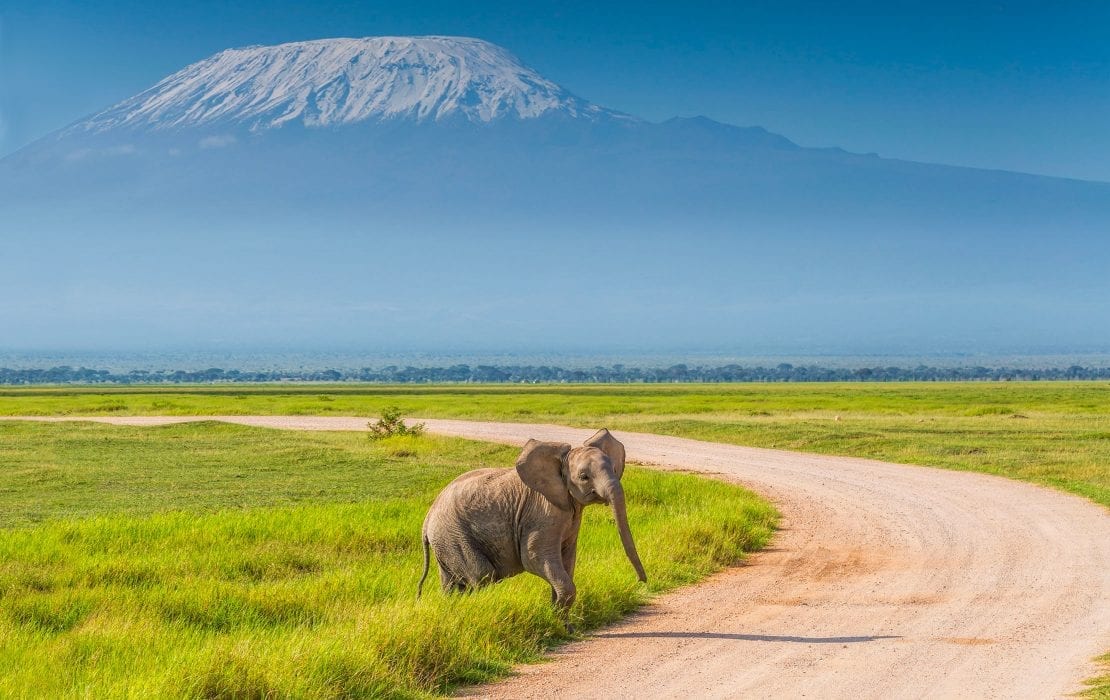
x=1100, y=687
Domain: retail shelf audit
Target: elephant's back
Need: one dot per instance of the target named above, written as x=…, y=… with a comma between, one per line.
x=468, y=492
x=481, y=475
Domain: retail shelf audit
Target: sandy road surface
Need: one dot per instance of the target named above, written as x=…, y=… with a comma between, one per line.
x=886, y=581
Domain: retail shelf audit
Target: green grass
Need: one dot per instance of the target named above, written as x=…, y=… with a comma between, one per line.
x=1100, y=687
x=569, y=401
x=209, y=560
x=77, y=470
x=1051, y=433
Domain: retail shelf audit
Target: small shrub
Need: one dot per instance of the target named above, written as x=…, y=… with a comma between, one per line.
x=391, y=424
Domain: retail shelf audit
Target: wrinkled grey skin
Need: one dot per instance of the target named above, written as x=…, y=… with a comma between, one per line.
x=490, y=524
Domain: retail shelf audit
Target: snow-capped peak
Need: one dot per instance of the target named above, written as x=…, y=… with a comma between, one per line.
x=342, y=81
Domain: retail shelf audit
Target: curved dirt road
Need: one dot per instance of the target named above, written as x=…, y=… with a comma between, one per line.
x=885, y=581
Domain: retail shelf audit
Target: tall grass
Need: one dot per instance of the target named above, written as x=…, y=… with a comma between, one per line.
x=314, y=599
x=1100, y=687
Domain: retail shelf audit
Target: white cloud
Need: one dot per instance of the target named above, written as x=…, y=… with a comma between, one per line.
x=217, y=141
x=126, y=149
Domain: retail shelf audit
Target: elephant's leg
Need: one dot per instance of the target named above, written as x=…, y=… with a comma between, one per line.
x=548, y=565
x=569, y=556
x=563, y=591
x=570, y=591
x=463, y=567
x=479, y=570
x=542, y=555
x=448, y=582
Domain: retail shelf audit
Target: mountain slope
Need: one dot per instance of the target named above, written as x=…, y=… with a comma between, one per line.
x=344, y=81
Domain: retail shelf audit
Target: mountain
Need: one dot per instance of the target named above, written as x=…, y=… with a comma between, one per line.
x=425, y=192
x=340, y=82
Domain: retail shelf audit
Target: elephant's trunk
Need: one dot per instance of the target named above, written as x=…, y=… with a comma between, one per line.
x=620, y=514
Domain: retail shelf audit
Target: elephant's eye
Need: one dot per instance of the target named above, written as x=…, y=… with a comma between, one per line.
x=584, y=477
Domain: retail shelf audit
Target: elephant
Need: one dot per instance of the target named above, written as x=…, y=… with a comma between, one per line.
x=491, y=524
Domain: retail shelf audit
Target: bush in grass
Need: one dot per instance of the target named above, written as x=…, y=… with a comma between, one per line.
x=391, y=424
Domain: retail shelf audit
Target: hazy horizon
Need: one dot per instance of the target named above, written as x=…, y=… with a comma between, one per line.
x=261, y=359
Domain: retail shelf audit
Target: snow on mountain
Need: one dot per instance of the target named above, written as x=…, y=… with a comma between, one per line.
x=343, y=81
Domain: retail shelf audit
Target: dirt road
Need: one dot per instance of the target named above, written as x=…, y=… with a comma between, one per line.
x=885, y=581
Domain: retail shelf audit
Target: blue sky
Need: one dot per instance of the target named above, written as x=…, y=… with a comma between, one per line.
x=1013, y=85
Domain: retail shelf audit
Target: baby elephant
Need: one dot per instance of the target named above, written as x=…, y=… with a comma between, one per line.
x=490, y=524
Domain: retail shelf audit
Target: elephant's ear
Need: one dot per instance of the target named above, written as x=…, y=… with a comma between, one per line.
x=541, y=466
x=612, y=447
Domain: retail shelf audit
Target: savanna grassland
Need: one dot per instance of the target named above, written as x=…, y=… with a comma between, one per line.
x=210, y=560
x=1051, y=433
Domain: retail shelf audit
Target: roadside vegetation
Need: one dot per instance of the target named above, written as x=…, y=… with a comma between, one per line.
x=212, y=560
x=1100, y=687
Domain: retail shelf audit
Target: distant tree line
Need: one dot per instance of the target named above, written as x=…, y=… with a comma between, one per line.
x=543, y=374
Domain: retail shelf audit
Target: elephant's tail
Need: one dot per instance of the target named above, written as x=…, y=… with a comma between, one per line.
x=420, y=586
